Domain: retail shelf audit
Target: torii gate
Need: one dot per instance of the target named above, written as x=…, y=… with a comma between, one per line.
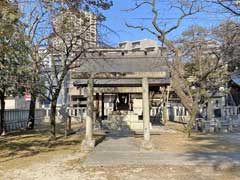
x=113, y=64
x=89, y=142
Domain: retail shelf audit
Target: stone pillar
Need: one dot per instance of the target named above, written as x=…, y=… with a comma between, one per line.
x=89, y=142
x=146, y=116
x=102, y=101
x=210, y=109
x=97, y=105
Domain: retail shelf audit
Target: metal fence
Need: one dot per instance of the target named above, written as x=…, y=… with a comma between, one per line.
x=17, y=118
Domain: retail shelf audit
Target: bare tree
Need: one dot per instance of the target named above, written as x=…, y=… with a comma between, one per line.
x=56, y=45
x=227, y=33
x=188, y=92
x=69, y=40
x=231, y=6
x=36, y=38
x=179, y=84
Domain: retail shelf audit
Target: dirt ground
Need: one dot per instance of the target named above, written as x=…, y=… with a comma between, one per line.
x=34, y=146
x=180, y=143
x=30, y=156
x=68, y=167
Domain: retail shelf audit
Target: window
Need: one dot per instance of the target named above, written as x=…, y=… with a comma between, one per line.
x=122, y=45
x=135, y=44
x=217, y=113
x=150, y=49
x=136, y=49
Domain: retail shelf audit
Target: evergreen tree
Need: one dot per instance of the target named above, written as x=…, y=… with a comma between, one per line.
x=13, y=55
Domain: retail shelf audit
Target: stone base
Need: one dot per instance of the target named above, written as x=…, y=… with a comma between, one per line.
x=3, y=133
x=87, y=145
x=122, y=121
x=146, y=145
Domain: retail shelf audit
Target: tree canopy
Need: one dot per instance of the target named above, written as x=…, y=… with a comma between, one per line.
x=13, y=54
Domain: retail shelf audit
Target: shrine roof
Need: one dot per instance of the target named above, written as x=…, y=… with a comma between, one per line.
x=122, y=82
x=122, y=63
x=236, y=79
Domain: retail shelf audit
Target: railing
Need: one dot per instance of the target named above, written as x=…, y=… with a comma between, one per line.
x=17, y=118
x=229, y=120
x=231, y=111
x=178, y=113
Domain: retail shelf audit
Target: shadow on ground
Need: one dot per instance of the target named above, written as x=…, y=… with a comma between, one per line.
x=29, y=143
x=221, y=150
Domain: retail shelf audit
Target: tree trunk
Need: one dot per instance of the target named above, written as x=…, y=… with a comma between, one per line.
x=164, y=114
x=31, y=116
x=2, y=120
x=193, y=115
x=165, y=108
x=53, y=119
x=185, y=99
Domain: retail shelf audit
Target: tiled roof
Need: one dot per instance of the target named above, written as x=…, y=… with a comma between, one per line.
x=122, y=64
x=236, y=79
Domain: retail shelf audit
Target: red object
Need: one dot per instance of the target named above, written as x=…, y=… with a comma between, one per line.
x=27, y=97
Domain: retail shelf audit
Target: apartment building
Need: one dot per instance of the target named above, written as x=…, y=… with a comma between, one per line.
x=77, y=28
x=140, y=45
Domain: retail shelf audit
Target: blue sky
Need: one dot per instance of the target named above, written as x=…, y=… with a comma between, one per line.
x=117, y=17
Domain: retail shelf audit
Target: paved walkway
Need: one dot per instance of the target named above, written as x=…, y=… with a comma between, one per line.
x=117, y=150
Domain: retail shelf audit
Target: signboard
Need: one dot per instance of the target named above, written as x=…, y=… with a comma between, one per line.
x=63, y=112
x=28, y=97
